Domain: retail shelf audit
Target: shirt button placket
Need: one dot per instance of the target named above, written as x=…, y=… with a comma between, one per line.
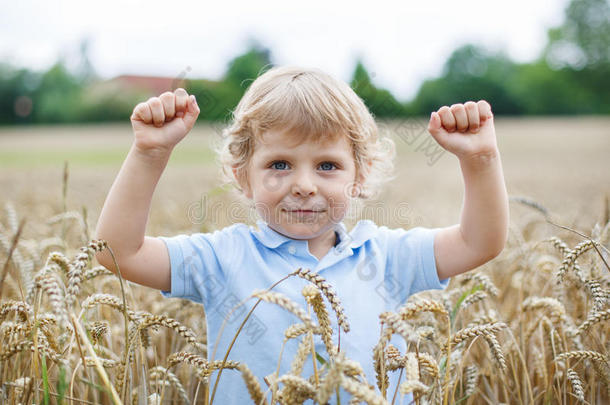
x=292, y=250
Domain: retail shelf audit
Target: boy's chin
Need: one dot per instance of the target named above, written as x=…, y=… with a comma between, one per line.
x=303, y=230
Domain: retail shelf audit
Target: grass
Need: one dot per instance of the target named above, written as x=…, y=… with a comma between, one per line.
x=38, y=158
x=92, y=145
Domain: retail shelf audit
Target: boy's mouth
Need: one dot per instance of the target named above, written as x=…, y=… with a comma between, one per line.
x=301, y=210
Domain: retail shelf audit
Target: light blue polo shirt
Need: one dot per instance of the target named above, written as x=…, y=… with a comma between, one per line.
x=372, y=269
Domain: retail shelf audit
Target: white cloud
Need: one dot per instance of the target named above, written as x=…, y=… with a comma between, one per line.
x=402, y=42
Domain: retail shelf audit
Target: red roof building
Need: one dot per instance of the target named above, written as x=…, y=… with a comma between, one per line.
x=155, y=85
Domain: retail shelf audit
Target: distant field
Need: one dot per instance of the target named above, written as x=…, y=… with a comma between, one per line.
x=561, y=162
x=86, y=146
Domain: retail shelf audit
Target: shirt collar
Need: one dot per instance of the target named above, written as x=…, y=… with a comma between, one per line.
x=362, y=232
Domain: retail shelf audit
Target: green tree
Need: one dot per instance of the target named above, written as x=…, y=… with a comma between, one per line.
x=544, y=91
x=380, y=102
x=580, y=47
x=56, y=99
x=470, y=73
x=16, y=85
x=245, y=68
x=218, y=99
x=583, y=39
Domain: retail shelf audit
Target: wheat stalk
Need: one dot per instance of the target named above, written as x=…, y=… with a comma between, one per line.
x=469, y=333
x=472, y=376
x=254, y=387
x=496, y=350
x=330, y=381
x=594, y=317
x=600, y=297
x=301, y=388
x=109, y=300
x=330, y=294
x=77, y=267
x=160, y=372
x=287, y=304
x=201, y=365
x=473, y=298
x=299, y=329
x=411, y=309
x=61, y=260
x=484, y=281
x=576, y=385
x=22, y=309
x=149, y=320
x=394, y=359
x=97, y=271
x=554, y=307
x=14, y=348
x=570, y=257
x=361, y=391
x=396, y=324
x=583, y=354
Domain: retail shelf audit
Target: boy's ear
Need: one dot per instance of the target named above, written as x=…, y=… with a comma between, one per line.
x=363, y=174
x=243, y=183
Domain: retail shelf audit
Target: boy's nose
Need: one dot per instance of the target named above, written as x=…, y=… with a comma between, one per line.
x=303, y=185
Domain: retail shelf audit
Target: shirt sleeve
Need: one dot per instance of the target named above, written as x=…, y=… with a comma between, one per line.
x=198, y=270
x=411, y=265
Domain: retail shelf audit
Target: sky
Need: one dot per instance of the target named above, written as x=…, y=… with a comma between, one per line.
x=401, y=43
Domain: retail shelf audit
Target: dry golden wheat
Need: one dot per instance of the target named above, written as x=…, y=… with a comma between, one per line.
x=554, y=332
x=254, y=387
x=287, y=304
x=330, y=294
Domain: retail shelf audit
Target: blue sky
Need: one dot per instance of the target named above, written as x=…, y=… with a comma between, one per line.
x=401, y=42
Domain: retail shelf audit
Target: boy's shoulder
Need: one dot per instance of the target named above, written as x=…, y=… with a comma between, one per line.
x=367, y=230
x=393, y=237
x=228, y=234
x=364, y=230
x=233, y=231
x=367, y=225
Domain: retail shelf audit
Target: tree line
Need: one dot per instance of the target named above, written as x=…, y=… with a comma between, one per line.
x=570, y=76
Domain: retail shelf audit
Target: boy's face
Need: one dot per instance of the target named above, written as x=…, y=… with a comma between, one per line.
x=301, y=190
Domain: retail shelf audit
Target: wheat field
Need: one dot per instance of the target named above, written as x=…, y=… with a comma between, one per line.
x=529, y=327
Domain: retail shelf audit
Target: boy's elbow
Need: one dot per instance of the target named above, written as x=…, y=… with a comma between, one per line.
x=493, y=250
x=496, y=252
x=105, y=259
x=501, y=243
x=102, y=257
x=496, y=242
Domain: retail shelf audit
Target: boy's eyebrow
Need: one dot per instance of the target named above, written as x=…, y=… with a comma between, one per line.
x=286, y=154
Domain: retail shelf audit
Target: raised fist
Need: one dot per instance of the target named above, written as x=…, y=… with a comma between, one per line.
x=466, y=130
x=161, y=122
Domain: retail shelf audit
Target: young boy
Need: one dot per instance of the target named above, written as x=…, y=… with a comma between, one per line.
x=301, y=146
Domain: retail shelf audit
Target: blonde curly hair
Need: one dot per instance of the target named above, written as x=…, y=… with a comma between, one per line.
x=310, y=104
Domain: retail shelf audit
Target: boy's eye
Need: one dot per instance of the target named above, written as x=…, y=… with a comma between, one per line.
x=281, y=164
x=327, y=165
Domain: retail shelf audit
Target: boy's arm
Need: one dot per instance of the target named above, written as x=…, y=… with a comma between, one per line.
x=159, y=124
x=467, y=130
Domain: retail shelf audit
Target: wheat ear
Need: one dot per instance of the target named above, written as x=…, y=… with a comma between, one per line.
x=330, y=294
